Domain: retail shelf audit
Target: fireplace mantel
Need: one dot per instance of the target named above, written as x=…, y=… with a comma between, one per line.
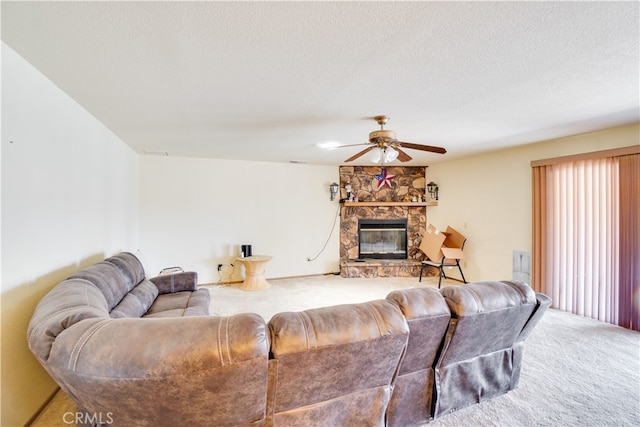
x=375, y=203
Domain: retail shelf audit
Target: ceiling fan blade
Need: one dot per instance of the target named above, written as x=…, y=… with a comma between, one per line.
x=363, y=152
x=429, y=148
x=402, y=156
x=353, y=145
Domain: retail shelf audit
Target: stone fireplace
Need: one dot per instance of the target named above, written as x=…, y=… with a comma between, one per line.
x=401, y=199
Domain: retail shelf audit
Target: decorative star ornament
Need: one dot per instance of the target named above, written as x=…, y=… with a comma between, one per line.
x=384, y=179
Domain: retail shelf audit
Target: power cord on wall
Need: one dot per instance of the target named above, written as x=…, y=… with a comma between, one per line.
x=335, y=220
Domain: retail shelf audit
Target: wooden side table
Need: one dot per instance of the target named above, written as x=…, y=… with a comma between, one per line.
x=254, y=272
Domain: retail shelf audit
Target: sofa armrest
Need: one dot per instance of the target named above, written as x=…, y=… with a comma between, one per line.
x=543, y=303
x=177, y=282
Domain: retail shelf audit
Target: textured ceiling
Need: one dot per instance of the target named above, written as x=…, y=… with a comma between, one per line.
x=267, y=81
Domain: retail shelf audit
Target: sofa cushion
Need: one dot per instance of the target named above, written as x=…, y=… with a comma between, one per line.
x=130, y=266
x=108, y=278
x=181, y=304
x=137, y=302
x=176, y=282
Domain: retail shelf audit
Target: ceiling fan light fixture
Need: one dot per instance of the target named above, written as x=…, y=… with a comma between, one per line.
x=390, y=154
x=375, y=155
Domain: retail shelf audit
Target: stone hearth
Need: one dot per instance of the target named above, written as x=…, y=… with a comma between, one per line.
x=381, y=268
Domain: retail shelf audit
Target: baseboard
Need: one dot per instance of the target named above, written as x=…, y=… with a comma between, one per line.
x=40, y=410
x=235, y=282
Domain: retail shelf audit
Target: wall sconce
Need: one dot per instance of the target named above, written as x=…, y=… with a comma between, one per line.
x=432, y=188
x=333, y=190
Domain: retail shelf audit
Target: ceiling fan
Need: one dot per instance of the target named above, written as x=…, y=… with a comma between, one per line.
x=385, y=147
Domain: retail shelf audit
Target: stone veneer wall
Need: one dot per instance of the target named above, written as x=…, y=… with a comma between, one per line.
x=407, y=182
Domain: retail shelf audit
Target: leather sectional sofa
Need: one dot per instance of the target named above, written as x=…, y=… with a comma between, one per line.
x=131, y=351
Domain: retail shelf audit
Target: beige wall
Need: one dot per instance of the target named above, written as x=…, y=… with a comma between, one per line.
x=488, y=197
x=69, y=198
x=194, y=213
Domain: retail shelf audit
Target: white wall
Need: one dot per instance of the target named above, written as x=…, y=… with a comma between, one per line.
x=194, y=213
x=69, y=198
x=488, y=198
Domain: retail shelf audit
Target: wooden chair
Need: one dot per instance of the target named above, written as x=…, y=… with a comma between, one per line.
x=442, y=249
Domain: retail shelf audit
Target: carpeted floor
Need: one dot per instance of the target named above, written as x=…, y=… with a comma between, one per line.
x=576, y=371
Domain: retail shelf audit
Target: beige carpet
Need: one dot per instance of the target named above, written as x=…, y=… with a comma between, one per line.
x=576, y=371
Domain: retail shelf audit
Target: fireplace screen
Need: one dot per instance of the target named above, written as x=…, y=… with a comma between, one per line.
x=382, y=238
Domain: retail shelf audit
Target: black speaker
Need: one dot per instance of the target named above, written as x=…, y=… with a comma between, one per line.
x=245, y=250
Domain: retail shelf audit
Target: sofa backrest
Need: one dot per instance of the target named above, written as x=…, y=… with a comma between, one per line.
x=137, y=301
x=335, y=365
x=186, y=371
x=480, y=358
x=91, y=292
x=428, y=316
x=115, y=276
x=109, y=280
x=130, y=266
x=486, y=317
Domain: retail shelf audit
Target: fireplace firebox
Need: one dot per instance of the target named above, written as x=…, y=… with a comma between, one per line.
x=382, y=238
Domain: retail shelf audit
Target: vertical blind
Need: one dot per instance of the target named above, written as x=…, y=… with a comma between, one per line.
x=585, y=236
x=629, y=312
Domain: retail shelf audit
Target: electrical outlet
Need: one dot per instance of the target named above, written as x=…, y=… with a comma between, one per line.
x=219, y=267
